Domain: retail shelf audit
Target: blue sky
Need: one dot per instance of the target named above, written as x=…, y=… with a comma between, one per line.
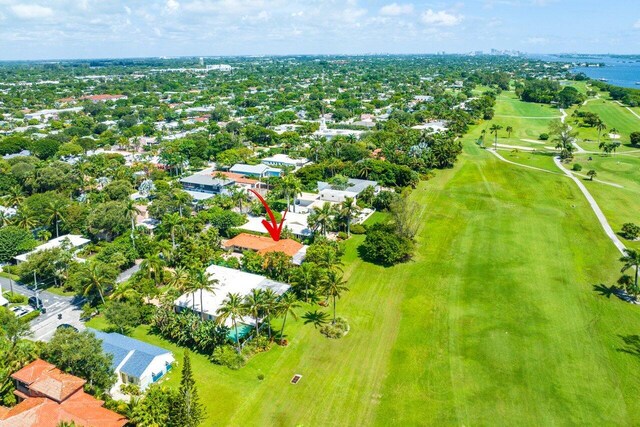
x=48, y=29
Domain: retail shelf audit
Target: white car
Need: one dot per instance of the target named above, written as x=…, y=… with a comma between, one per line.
x=21, y=310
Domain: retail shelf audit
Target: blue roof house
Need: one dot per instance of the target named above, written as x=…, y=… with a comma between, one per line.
x=134, y=361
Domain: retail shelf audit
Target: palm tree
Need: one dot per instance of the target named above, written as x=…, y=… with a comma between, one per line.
x=182, y=198
x=97, y=277
x=287, y=305
x=132, y=211
x=171, y=222
x=55, y=210
x=153, y=268
x=291, y=186
x=269, y=303
x=322, y=218
x=14, y=196
x=334, y=286
x=509, y=130
x=4, y=219
x=349, y=209
x=26, y=219
x=44, y=235
x=365, y=169
x=631, y=259
x=231, y=308
x=125, y=291
x=306, y=275
x=179, y=280
x=494, y=130
x=253, y=305
x=600, y=126
x=199, y=280
x=239, y=196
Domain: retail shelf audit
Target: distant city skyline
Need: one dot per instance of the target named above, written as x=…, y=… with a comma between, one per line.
x=78, y=29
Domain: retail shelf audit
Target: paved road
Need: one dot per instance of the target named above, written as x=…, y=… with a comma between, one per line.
x=44, y=326
x=128, y=273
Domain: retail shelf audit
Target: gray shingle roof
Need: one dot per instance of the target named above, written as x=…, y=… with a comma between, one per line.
x=120, y=346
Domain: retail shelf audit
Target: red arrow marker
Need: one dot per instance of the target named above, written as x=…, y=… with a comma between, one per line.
x=273, y=228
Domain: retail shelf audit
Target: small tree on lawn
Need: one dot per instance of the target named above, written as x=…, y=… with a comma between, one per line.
x=188, y=411
x=630, y=231
x=592, y=174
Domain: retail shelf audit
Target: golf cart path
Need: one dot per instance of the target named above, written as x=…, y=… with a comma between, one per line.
x=630, y=110
x=594, y=206
x=592, y=202
x=499, y=156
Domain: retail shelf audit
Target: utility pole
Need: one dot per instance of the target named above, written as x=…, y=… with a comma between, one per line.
x=35, y=285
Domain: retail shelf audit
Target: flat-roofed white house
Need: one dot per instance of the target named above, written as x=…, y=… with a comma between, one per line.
x=279, y=160
x=74, y=241
x=230, y=281
x=260, y=171
x=135, y=361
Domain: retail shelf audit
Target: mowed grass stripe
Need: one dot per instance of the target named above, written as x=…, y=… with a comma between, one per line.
x=510, y=331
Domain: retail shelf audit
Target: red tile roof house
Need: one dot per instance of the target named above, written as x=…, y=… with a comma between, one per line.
x=49, y=396
x=263, y=245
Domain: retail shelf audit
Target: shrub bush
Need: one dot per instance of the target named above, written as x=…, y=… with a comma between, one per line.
x=30, y=316
x=187, y=330
x=260, y=377
x=577, y=167
x=383, y=246
x=227, y=356
x=543, y=136
x=335, y=330
x=130, y=389
x=358, y=229
x=630, y=231
x=14, y=298
x=342, y=235
x=256, y=345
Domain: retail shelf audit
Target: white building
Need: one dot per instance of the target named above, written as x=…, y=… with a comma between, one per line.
x=324, y=131
x=279, y=160
x=48, y=114
x=74, y=241
x=134, y=361
x=436, y=126
x=230, y=281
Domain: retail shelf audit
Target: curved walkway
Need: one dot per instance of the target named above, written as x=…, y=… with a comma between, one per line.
x=592, y=202
x=499, y=156
x=594, y=206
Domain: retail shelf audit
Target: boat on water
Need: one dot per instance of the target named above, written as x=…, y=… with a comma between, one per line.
x=602, y=79
x=638, y=83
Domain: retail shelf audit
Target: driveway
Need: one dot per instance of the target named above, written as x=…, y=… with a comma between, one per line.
x=44, y=326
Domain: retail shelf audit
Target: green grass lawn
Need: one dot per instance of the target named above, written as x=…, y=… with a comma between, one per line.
x=614, y=116
x=494, y=321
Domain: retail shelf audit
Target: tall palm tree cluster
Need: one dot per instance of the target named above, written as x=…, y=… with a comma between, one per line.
x=262, y=305
x=330, y=217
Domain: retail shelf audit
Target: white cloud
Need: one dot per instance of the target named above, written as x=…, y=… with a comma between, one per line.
x=637, y=24
x=395, y=9
x=172, y=5
x=441, y=18
x=31, y=11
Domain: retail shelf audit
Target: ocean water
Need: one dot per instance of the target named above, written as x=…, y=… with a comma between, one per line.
x=618, y=71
